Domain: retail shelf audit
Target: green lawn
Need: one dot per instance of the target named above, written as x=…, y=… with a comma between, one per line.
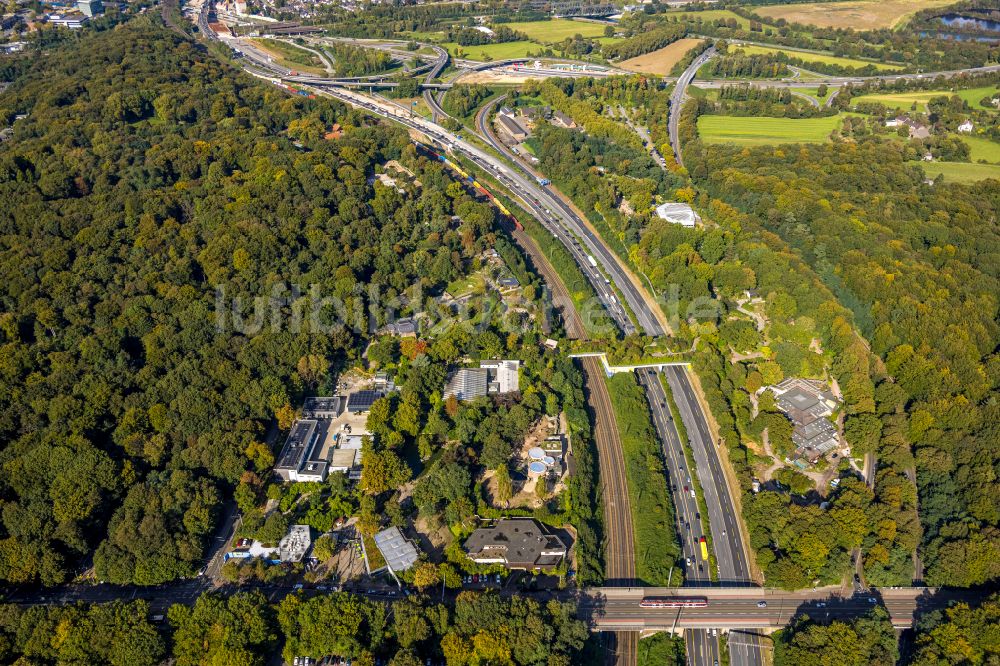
x=465, y=285
x=556, y=30
x=764, y=131
x=812, y=93
x=711, y=15
x=291, y=56
x=808, y=57
x=961, y=172
x=982, y=149
x=905, y=101
x=494, y=51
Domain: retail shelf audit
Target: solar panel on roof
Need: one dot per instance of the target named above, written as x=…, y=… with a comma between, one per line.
x=361, y=401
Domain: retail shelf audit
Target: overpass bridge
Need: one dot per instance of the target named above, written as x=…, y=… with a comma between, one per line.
x=616, y=369
x=618, y=609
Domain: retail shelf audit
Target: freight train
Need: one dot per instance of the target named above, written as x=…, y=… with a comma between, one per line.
x=479, y=187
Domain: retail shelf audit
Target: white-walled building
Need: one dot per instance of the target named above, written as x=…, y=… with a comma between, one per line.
x=678, y=213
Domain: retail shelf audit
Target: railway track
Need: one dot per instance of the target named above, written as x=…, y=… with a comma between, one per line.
x=619, y=546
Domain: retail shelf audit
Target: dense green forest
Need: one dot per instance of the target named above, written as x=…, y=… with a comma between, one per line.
x=918, y=266
x=246, y=629
x=866, y=640
x=148, y=182
x=356, y=61
x=958, y=635
x=737, y=64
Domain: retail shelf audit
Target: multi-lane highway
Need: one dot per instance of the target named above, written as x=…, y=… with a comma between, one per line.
x=702, y=647
x=597, y=262
x=648, y=318
x=677, y=100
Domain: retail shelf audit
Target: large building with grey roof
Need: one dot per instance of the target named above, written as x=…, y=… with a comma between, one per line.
x=399, y=552
x=807, y=403
x=516, y=543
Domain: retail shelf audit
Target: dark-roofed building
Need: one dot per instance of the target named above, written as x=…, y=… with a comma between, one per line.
x=323, y=408
x=535, y=112
x=560, y=119
x=516, y=543
x=807, y=404
x=512, y=128
x=296, y=452
x=361, y=401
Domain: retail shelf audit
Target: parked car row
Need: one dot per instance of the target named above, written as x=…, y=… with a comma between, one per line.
x=482, y=579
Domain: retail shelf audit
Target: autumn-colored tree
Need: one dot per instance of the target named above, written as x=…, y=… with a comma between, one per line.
x=425, y=575
x=451, y=406
x=286, y=416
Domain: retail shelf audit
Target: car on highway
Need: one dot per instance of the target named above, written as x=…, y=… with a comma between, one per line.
x=761, y=604
x=685, y=488
x=692, y=493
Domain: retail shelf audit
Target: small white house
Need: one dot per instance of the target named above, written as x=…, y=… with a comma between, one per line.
x=966, y=127
x=894, y=122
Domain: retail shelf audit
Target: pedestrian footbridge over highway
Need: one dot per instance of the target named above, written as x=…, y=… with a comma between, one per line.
x=615, y=369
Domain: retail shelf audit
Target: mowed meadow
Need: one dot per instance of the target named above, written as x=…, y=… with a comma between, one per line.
x=751, y=131
x=662, y=60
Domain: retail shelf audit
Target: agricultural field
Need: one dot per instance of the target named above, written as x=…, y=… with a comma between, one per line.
x=290, y=56
x=662, y=60
x=809, y=56
x=982, y=149
x=711, y=15
x=961, y=172
x=488, y=52
x=556, y=30
x=905, y=101
x=765, y=131
x=856, y=14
